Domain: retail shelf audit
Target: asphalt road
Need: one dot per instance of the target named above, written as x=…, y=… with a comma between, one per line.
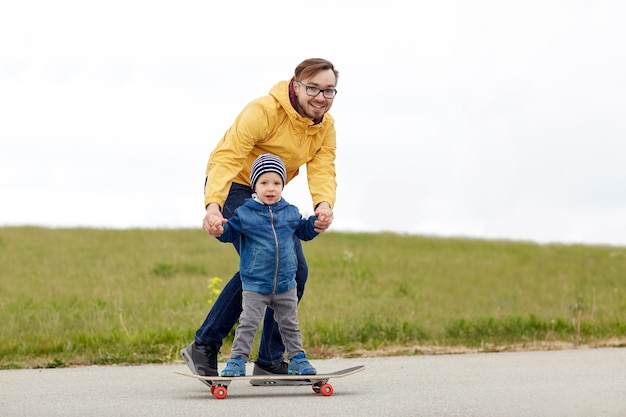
x=568, y=383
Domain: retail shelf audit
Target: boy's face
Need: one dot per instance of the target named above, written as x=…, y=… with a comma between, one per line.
x=269, y=187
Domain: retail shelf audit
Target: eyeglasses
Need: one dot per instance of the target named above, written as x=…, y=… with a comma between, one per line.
x=314, y=91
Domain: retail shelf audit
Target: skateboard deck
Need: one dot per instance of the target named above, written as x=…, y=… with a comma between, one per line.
x=219, y=384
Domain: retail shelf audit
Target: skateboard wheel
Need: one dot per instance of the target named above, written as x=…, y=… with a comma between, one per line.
x=326, y=390
x=220, y=392
x=316, y=388
x=212, y=389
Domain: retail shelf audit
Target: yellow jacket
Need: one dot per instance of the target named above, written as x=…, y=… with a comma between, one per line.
x=271, y=124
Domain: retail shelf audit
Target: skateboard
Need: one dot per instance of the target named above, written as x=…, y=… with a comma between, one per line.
x=219, y=384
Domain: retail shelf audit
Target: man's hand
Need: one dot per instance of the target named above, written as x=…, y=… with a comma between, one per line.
x=213, y=220
x=324, y=216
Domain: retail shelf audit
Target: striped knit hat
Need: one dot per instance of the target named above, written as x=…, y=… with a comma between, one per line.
x=267, y=163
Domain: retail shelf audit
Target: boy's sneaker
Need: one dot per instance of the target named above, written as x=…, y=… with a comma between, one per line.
x=298, y=365
x=201, y=359
x=235, y=367
x=280, y=368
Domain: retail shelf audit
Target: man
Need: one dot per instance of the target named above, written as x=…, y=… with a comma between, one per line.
x=291, y=122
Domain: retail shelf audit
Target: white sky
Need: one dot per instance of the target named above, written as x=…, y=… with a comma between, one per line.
x=490, y=119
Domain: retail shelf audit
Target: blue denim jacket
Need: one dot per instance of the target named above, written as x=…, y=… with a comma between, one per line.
x=267, y=259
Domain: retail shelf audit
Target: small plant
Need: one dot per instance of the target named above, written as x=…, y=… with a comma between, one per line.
x=215, y=288
x=123, y=324
x=577, y=308
x=55, y=363
x=163, y=270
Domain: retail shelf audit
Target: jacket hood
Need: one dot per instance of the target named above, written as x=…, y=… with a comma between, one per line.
x=280, y=92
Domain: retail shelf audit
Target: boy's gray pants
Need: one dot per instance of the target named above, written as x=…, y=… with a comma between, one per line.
x=285, y=305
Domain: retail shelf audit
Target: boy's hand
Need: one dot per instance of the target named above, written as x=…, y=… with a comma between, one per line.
x=213, y=220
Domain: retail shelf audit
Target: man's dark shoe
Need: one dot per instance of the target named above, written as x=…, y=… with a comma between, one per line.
x=201, y=359
x=281, y=368
x=263, y=369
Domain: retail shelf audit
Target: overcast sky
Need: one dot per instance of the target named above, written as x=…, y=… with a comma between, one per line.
x=488, y=119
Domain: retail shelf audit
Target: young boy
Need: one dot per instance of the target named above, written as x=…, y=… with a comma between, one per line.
x=267, y=226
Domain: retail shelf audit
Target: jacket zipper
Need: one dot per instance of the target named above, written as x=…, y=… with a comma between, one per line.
x=276, y=243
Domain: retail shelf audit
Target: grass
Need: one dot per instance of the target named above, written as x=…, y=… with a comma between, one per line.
x=92, y=296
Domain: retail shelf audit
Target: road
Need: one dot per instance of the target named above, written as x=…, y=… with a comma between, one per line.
x=568, y=383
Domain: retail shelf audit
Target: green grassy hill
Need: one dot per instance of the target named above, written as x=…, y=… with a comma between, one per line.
x=93, y=296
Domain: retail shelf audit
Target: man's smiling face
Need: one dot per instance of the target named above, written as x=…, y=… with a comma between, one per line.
x=315, y=107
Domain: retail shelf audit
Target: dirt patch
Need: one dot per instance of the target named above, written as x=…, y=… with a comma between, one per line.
x=455, y=350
